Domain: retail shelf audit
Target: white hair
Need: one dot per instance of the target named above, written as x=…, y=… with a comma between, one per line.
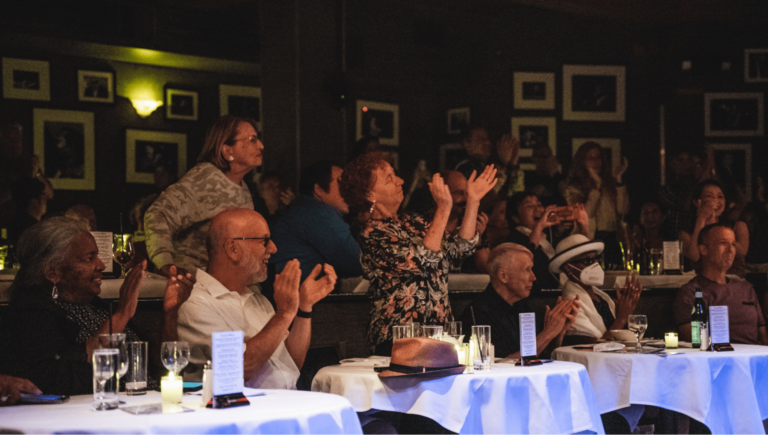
x=503, y=253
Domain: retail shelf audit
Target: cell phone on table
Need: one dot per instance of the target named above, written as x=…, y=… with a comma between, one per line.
x=43, y=398
x=563, y=213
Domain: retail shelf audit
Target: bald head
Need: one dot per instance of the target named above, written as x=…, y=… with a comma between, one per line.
x=232, y=223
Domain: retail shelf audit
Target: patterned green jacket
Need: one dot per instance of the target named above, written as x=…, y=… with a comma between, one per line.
x=177, y=223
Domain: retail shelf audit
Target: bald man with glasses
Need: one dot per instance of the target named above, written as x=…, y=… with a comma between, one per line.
x=223, y=299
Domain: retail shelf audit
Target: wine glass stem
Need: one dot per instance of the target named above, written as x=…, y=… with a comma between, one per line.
x=639, y=347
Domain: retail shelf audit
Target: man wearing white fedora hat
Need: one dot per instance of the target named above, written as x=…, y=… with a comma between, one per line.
x=576, y=259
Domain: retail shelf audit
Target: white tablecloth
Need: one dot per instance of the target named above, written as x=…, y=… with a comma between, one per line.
x=727, y=391
x=552, y=398
x=279, y=411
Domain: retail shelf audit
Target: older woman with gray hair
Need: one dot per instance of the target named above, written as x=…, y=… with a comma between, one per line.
x=55, y=315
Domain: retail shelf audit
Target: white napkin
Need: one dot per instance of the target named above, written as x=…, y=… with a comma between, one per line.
x=610, y=346
x=372, y=361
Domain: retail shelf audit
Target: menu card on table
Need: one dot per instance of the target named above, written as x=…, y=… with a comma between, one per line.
x=671, y=255
x=718, y=328
x=527, y=335
x=104, y=243
x=227, y=351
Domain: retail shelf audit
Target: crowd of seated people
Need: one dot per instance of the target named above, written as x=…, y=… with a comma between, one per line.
x=203, y=234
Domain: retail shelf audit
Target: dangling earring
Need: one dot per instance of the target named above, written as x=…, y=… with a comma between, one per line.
x=55, y=292
x=372, y=204
x=231, y=158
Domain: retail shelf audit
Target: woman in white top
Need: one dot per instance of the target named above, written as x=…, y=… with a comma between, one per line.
x=576, y=259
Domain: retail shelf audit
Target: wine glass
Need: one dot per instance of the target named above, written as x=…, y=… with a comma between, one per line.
x=122, y=250
x=175, y=355
x=638, y=323
x=116, y=341
x=104, y=367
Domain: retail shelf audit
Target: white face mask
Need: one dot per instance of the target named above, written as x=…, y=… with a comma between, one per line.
x=592, y=275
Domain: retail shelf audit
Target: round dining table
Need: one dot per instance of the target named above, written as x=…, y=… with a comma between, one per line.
x=276, y=412
x=727, y=391
x=556, y=397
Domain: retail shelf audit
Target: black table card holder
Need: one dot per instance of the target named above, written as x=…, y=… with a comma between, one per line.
x=529, y=361
x=230, y=401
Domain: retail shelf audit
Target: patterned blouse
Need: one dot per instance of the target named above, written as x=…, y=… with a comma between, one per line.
x=409, y=282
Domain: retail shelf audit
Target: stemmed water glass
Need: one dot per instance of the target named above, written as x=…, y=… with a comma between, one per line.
x=116, y=341
x=122, y=250
x=104, y=368
x=175, y=356
x=638, y=323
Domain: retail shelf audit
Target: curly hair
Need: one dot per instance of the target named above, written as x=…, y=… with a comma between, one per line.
x=357, y=179
x=579, y=176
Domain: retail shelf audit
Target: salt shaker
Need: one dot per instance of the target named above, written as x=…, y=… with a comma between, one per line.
x=207, y=383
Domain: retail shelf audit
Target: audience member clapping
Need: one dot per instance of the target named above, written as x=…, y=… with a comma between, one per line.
x=504, y=157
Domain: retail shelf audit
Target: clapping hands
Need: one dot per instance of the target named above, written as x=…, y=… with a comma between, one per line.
x=479, y=185
x=313, y=289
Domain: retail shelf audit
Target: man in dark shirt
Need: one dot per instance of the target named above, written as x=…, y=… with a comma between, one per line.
x=717, y=246
x=510, y=268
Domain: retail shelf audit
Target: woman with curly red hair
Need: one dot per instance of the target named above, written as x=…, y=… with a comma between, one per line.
x=407, y=257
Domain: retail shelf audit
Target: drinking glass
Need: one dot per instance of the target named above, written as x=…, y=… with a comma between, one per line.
x=116, y=341
x=401, y=331
x=481, y=350
x=416, y=329
x=136, y=377
x=453, y=328
x=655, y=261
x=175, y=355
x=432, y=331
x=105, y=363
x=638, y=323
x=122, y=250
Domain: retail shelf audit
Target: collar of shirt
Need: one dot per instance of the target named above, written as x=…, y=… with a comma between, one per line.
x=216, y=289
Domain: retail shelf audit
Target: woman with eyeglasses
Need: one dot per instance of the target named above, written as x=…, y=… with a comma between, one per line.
x=576, y=257
x=177, y=223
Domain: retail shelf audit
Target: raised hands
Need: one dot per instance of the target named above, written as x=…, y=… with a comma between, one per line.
x=621, y=169
x=441, y=193
x=479, y=185
x=313, y=289
x=287, y=289
x=482, y=223
x=508, y=150
x=627, y=297
x=177, y=289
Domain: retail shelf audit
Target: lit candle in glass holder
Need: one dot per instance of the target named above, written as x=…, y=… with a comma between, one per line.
x=670, y=340
x=171, y=389
x=462, y=353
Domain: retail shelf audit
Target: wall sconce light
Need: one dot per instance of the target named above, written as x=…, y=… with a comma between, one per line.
x=145, y=107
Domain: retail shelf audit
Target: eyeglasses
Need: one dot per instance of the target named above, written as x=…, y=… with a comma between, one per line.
x=265, y=239
x=587, y=261
x=253, y=139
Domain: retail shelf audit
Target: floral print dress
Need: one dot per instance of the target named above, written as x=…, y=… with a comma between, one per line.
x=409, y=282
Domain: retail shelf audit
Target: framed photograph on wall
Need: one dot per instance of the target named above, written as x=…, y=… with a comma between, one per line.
x=733, y=163
x=612, y=146
x=242, y=101
x=180, y=104
x=594, y=93
x=379, y=120
x=64, y=143
x=458, y=120
x=756, y=65
x=451, y=154
x=533, y=132
x=146, y=151
x=96, y=86
x=733, y=114
x=534, y=90
x=25, y=79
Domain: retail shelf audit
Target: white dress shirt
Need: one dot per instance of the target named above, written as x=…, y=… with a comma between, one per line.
x=213, y=308
x=588, y=320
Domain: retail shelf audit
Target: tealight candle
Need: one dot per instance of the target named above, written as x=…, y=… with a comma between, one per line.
x=462, y=354
x=171, y=389
x=670, y=340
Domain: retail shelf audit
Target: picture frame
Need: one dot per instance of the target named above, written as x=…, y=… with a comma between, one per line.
x=451, y=154
x=733, y=114
x=378, y=119
x=64, y=143
x=733, y=163
x=756, y=65
x=531, y=132
x=181, y=104
x=146, y=150
x=96, y=86
x=611, y=145
x=242, y=101
x=534, y=90
x=594, y=93
x=458, y=120
x=26, y=79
